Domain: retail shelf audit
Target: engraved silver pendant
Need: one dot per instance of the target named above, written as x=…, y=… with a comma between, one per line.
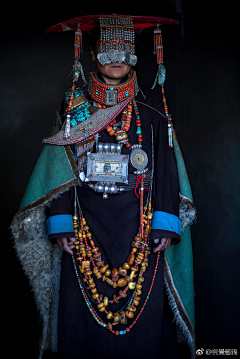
x=139, y=160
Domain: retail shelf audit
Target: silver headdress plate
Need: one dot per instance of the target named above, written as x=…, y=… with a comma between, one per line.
x=117, y=40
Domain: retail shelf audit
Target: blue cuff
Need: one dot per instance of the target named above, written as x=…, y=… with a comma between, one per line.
x=166, y=221
x=60, y=223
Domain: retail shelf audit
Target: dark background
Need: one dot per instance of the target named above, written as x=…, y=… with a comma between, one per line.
x=202, y=89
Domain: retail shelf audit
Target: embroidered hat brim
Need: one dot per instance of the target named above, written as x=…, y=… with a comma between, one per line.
x=88, y=22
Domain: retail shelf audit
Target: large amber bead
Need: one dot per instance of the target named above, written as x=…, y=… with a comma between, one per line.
x=129, y=314
x=122, y=271
x=104, y=268
x=132, y=285
x=85, y=264
x=99, y=263
x=123, y=319
x=128, y=278
x=116, y=317
x=137, y=297
x=108, y=272
x=109, y=281
x=115, y=272
x=134, y=268
x=136, y=302
x=121, y=282
x=137, y=238
x=102, y=309
x=122, y=294
x=100, y=305
x=130, y=259
x=110, y=314
x=126, y=265
x=105, y=301
x=131, y=308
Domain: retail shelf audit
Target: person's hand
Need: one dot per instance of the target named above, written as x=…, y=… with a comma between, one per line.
x=66, y=244
x=165, y=243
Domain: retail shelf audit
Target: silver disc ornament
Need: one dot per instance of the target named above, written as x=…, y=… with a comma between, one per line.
x=139, y=159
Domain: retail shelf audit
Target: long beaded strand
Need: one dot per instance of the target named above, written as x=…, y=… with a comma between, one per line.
x=160, y=78
x=95, y=314
x=83, y=250
x=121, y=135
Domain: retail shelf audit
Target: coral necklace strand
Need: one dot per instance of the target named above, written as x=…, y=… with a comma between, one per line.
x=121, y=134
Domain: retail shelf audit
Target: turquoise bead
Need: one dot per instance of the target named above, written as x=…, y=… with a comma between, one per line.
x=139, y=131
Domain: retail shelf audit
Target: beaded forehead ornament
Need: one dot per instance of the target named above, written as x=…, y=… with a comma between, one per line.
x=117, y=40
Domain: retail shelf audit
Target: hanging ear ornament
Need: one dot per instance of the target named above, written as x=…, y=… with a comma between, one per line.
x=76, y=72
x=158, y=51
x=77, y=66
x=160, y=79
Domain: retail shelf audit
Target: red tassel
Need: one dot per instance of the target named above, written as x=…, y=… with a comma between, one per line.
x=158, y=47
x=78, y=42
x=137, y=183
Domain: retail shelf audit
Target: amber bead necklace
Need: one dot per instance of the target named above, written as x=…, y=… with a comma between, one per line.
x=87, y=260
x=122, y=320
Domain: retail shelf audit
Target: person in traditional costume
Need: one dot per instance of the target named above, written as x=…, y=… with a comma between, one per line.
x=103, y=230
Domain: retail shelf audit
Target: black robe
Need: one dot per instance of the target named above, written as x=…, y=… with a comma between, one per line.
x=114, y=223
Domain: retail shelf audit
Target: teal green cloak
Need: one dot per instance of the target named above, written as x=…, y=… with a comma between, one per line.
x=56, y=172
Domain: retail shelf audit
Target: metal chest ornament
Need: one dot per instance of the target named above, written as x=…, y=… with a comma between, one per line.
x=107, y=167
x=139, y=160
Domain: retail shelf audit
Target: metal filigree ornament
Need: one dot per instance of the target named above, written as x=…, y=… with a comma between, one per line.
x=113, y=56
x=107, y=167
x=139, y=160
